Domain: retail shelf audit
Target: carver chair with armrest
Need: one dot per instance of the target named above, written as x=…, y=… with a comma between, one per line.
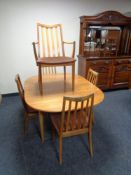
x=29, y=112
x=75, y=119
x=49, y=51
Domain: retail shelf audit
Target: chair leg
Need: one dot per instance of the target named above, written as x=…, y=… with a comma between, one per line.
x=60, y=149
x=64, y=73
x=90, y=143
x=73, y=76
x=64, y=78
x=26, y=123
x=40, y=79
x=93, y=118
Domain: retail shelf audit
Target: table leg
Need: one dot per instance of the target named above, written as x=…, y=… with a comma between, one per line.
x=41, y=121
x=73, y=76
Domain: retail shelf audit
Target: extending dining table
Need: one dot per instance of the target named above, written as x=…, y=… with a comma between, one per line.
x=54, y=89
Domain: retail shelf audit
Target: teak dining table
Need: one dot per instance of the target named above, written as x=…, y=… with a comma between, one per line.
x=54, y=90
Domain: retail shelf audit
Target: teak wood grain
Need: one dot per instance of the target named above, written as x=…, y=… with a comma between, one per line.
x=54, y=90
x=49, y=51
x=72, y=123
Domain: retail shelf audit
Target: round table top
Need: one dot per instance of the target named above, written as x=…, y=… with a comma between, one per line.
x=54, y=90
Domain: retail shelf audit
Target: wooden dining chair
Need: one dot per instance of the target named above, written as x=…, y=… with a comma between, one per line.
x=29, y=112
x=92, y=76
x=75, y=119
x=49, y=51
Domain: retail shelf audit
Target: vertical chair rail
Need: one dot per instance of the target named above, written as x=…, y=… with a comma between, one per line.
x=61, y=35
x=43, y=41
x=68, y=117
x=53, y=48
x=48, y=45
x=74, y=116
x=38, y=39
x=57, y=41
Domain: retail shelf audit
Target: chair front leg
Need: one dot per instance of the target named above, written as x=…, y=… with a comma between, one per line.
x=64, y=73
x=73, y=76
x=90, y=143
x=64, y=78
x=40, y=79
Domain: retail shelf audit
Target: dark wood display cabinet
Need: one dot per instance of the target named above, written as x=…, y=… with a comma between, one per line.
x=105, y=46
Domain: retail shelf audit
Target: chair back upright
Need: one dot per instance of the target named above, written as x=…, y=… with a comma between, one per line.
x=80, y=119
x=20, y=90
x=50, y=40
x=92, y=76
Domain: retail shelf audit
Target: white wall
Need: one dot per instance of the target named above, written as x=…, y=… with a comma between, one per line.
x=18, y=30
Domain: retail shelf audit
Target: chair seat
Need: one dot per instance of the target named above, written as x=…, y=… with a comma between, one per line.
x=56, y=120
x=55, y=60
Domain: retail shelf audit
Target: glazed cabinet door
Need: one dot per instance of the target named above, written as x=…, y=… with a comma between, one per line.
x=121, y=73
x=104, y=68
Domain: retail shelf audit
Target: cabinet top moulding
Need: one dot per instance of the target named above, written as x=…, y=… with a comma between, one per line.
x=107, y=17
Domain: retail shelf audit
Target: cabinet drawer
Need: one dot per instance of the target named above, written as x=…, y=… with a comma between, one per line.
x=99, y=62
x=102, y=67
x=122, y=61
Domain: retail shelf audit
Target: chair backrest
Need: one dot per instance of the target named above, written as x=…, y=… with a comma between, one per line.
x=50, y=40
x=92, y=76
x=20, y=90
x=81, y=117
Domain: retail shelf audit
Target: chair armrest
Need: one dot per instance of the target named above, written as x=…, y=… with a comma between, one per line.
x=35, y=51
x=73, y=49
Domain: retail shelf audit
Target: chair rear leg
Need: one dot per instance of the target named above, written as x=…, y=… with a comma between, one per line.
x=40, y=79
x=73, y=76
x=93, y=118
